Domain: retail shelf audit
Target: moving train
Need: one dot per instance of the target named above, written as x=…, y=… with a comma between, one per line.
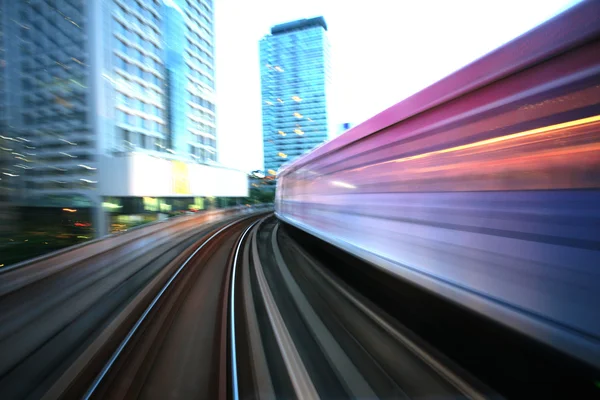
x=484, y=187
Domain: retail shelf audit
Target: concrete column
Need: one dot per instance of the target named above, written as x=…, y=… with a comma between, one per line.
x=99, y=218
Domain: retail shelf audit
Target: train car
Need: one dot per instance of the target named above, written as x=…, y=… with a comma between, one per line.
x=484, y=187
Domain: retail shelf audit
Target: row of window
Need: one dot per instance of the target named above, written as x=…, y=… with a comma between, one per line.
x=194, y=48
x=143, y=141
x=137, y=104
x=51, y=159
x=66, y=17
x=77, y=116
x=48, y=57
x=200, y=18
x=199, y=76
x=202, y=155
x=141, y=11
x=139, y=122
x=202, y=102
x=151, y=93
x=41, y=46
x=132, y=32
x=44, y=82
x=59, y=185
x=203, y=41
x=206, y=141
x=135, y=70
x=39, y=99
x=38, y=172
x=288, y=119
x=289, y=106
x=139, y=56
x=202, y=114
x=204, y=6
x=41, y=135
x=140, y=140
x=53, y=66
x=199, y=126
x=46, y=35
x=135, y=37
x=299, y=142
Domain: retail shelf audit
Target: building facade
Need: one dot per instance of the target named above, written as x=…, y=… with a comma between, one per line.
x=83, y=81
x=296, y=88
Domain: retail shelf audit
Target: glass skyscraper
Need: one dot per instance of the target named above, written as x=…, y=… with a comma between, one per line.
x=189, y=71
x=295, y=86
x=88, y=79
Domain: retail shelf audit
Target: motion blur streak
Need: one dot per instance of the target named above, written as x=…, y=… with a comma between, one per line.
x=490, y=197
x=521, y=161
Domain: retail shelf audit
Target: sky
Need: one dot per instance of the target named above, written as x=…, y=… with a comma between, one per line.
x=382, y=52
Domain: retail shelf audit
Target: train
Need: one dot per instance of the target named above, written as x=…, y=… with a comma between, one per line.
x=484, y=187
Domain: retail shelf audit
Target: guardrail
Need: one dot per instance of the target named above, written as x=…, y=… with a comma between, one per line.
x=105, y=243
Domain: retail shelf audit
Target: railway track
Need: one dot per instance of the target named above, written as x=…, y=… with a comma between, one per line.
x=250, y=309
x=301, y=333
x=239, y=319
x=52, y=312
x=178, y=347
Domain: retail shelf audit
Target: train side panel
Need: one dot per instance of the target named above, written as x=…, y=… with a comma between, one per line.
x=491, y=199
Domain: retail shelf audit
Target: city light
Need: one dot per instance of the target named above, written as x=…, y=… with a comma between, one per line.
x=111, y=205
x=71, y=210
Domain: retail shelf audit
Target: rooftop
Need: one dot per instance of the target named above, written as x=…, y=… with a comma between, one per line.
x=299, y=25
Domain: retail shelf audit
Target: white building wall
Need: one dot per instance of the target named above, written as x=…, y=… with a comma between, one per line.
x=141, y=175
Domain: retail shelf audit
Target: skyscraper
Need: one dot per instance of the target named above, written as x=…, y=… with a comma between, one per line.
x=295, y=88
x=190, y=76
x=91, y=78
x=86, y=83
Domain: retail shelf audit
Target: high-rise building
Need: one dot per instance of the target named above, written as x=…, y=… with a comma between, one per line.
x=190, y=76
x=105, y=79
x=295, y=87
